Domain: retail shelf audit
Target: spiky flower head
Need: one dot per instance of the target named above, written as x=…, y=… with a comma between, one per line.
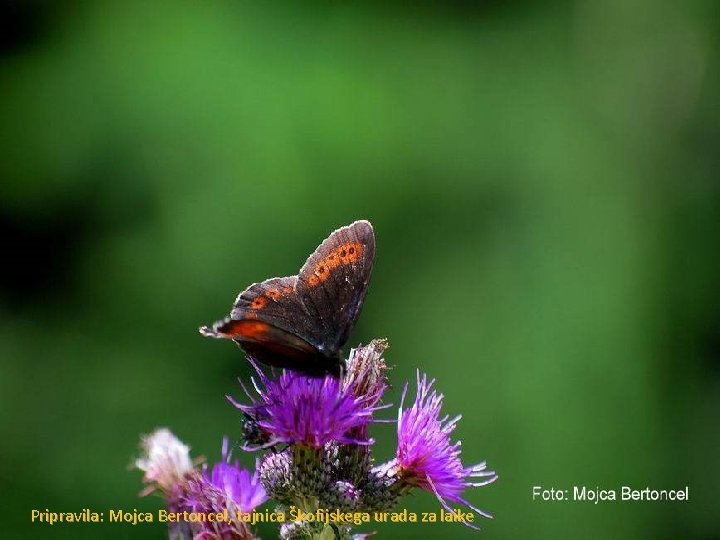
x=165, y=460
x=294, y=408
x=241, y=487
x=365, y=375
x=226, y=488
x=425, y=456
x=205, y=498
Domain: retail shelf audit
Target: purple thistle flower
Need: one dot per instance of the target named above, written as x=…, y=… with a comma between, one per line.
x=314, y=411
x=244, y=489
x=167, y=466
x=226, y=487
x=425, y=456
x=202, y=497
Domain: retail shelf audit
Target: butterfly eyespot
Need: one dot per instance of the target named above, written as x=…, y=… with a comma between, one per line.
x=351, y=250
x=259, y=302
x=343, y=253
x=321, y=269
x=313, y=280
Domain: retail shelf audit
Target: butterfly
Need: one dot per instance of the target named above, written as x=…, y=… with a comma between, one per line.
x=301, y=322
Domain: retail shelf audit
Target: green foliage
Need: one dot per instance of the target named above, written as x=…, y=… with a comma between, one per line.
x=543, y=184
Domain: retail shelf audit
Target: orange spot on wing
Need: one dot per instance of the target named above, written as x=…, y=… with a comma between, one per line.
x=354, y=251
x=347, y=253
x=322, y=271
x=259, y=302
x=244, y=329
x=273, y=294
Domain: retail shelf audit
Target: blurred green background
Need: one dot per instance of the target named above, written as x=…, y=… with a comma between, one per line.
x=543, y=182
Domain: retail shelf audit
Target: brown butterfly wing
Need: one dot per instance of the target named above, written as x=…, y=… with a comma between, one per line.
x=266, y=320
x=333, y=282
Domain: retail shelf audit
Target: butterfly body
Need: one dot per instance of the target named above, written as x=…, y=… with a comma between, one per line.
x=301, y=322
